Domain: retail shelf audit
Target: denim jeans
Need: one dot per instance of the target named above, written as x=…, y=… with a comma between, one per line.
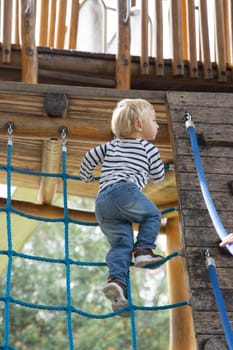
x=117, y=208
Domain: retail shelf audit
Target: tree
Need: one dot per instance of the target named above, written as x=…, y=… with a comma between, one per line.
x=45, y=283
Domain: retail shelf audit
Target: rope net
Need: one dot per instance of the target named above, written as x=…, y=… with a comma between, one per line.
x=67, y=261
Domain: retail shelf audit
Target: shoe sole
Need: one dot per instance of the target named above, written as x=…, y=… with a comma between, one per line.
x=114, y=293
x=143, y=261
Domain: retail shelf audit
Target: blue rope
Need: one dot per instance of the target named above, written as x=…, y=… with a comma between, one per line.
x=69, y=309
x=204, y=186
x=220, y=302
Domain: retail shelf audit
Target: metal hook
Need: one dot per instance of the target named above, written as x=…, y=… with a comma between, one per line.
x=188, y=120
x=10, y=128
x=63, y=131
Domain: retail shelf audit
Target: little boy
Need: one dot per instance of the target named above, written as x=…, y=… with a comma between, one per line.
x=128, y=162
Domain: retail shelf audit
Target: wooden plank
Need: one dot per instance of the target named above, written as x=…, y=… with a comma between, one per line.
x=17, y=22
x=82, y=91
x=45, y=127
x=159, y=62
x=196, y=99
x=44, y=15
x=227, y=30
x=192, y=43
x=144, y=58
x=178, y=48
x=7, y=31
x=184, y=29
x=211, y=321
x=204, y=300
x=195, y=258
x=52, y=22
x=123, y=59
x=190, y=198
x=200, y=217
x=29, y=51
x=74, y=24
x=199, y=278
x=221, y=43
x=205, y=42
x=189, y=181
x=218, y=167
x=61, y=27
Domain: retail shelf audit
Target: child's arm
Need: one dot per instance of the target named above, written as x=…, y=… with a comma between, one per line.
x=91, y=159
x=157, y=171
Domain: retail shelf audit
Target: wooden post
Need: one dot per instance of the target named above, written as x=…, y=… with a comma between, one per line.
x=205, y=45
x=29, y=50
x=52, y=22
x=51, y=157
x=144, y=59
x=7, y=31
x=221, y=44
x=61, y=30
x=192, y=43
x=159, y=63
x=123, y=59
x=74, y=24
x=182, y=335
x=178, y=48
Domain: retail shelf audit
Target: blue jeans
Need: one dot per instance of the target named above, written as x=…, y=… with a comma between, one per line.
x=117, y=208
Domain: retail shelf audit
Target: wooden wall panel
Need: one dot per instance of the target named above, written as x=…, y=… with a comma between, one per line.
x=212, y=116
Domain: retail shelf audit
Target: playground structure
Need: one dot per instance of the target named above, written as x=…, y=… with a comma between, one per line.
x=43, y=89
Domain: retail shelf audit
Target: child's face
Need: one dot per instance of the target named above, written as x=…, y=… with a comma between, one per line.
x=149, y=126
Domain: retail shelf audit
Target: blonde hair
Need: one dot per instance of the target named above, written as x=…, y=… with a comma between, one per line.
x=125, y=113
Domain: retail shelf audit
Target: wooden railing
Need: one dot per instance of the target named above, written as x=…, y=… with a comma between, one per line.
x=196, y=32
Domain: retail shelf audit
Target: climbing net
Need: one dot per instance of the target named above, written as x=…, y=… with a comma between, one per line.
x=68, y=308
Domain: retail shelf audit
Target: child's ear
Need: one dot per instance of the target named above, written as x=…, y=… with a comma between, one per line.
x=137, y=125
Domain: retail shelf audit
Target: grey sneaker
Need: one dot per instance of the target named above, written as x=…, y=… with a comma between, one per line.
x=145, y=256
x=117, y=294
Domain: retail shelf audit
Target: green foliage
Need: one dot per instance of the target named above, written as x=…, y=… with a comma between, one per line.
x=45, y=283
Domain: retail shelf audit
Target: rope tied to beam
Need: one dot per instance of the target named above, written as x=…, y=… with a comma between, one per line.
x=67, y=261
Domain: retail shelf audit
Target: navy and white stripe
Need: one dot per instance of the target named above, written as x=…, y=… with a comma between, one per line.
x=134, y=160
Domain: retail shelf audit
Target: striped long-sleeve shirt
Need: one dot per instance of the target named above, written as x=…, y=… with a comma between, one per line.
x=134, y=160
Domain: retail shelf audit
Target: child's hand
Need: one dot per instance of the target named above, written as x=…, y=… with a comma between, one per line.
x=227, y=240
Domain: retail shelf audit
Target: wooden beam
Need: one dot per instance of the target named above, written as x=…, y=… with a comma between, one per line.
x=53, y=212
x=29, y=50
x=123, y=59
x=182, y=335
x=7, y=31
x=51, y=159
x=45, y=127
